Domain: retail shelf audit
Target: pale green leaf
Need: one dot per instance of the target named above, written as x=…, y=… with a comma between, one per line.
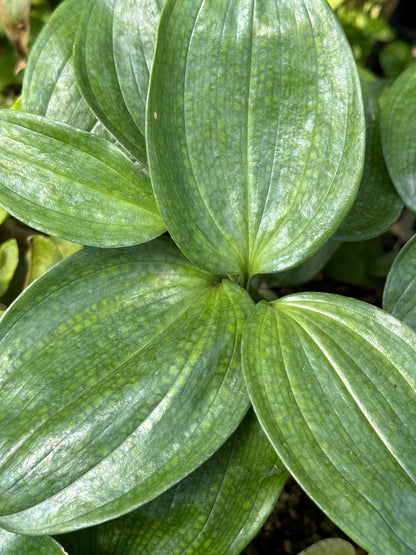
x=216, y=509
x=3, y=215
x=333, y=382
x=377, y=205
x=120, y=374
x=17, y=544
x=254, y=115
x=9, y=258
x=45, y=252
x=112, y=58
x=49, y=87
x=399, y=296
x=330, y=546
x=72, y=184
x=398, y=129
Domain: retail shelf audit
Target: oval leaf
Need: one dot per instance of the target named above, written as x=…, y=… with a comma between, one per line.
x=333, y=382
x=16, y=544
x=217, y=509
x=74, y=185
x=399, y=295
x=398, y=129
x=49, y=87
x=113, y=55
x=249, y=141
x=99, y=357
x=9, y=259
x=377, y=205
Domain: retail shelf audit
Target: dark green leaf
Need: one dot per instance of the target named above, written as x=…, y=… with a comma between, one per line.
x=400, y=291
x=74, y=185
x=333, y=383
x=109, y=401
x=398, y=130
x=249, y=141
x=377, y=205
x=217, y=509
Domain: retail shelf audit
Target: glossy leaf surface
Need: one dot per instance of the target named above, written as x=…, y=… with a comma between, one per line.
x=333, y=383
x=113, y=56
x=89, y=394
x=249, y=141
x=398, y=129
x=72, y=184
x=399, y=296
x=18, y=544
x=216, y=509
x=49, y=87
x=377, y=205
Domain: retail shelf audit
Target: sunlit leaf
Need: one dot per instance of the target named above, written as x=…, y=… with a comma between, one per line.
x=17, y=544
x=74, y=185
x=9, y=258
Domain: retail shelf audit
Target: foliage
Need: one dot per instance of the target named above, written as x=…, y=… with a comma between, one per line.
x=199, y=153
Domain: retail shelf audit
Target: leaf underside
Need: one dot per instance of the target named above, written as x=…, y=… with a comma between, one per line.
x=333, y=383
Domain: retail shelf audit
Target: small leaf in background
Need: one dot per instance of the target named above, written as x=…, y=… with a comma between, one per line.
x=15, y=17
x=398, y=131
x=332, y=381
x=400, y=291
x=330, y=546
x=3, y=215
x=216, y=509
x=361, y=263
x=72, y=184
x=9, y=258
x=394, y=58
x=45, y=252
x=249, y=158
x=144, y=340
x=18, y=544
x=377, y=205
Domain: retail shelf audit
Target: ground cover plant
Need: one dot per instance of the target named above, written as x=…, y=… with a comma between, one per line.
x=151, y=401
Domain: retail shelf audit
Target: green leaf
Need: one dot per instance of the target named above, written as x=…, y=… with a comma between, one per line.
x=361, y=263
x=377, y=205
x=333, y=382
x=72, y=184
x=216, y=509
x=49, y=87
x=108, y=403
x=45, y=252
x=16, y=544
x=9, y=258
x=249, y=141
x=3, y=215
x=330, y=546
x=399, y=296
x=398, y=129
x=112, y=61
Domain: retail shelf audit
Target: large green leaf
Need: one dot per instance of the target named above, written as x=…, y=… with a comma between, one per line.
x=113, y=55
x=254, y=116
x=333, y=382
x=120, y=374
x=72, y=184
x=217, y=509
x=398, y=129
x=399, y=296
x=377, y=205
x=49, y=87
x=18, y=544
